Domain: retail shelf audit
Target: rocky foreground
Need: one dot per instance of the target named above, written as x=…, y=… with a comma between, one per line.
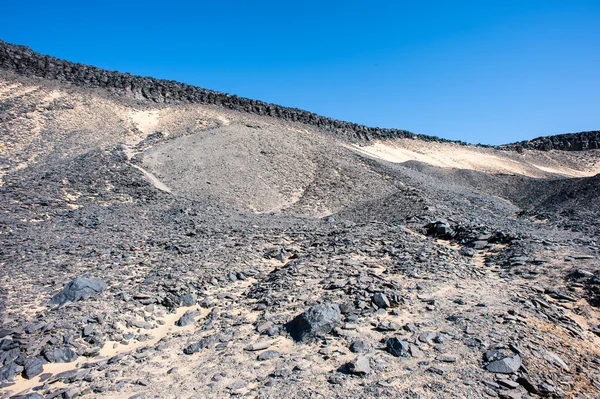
x=186, y=251
x=113, y=288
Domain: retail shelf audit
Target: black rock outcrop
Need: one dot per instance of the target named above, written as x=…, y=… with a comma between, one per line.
x=25, y=61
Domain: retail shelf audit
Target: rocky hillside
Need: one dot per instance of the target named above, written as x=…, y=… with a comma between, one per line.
x=159, y=240
x=23, y=60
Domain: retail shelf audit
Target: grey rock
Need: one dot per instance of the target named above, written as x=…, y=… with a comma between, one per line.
x=188, y=318
x=397, y=347
x=491, y=355
x=388, y=326
x=188, y=300
x=448, y=358
x=261, y=328
x=268, y=355
x=416, y=352
x=33, y=395
x=202, y=344
x=70, y=393
x=510, y=384
x=427, y=336
x=508, y=365
x=317, y=321
x=8, y=344
x=140, y=324
x=9, y=371
x=87, y=330
x=466, y=251
x=553, y=358
x=78, y=289
x=358, y=346
x=511, y=394
x=438, y=370
x=546, y=389
x=60, y=355
x=33, y=367
x=257, y=346
x=360, y=366
x=381, y=300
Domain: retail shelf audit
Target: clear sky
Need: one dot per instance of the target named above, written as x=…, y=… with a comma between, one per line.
x=480, y=71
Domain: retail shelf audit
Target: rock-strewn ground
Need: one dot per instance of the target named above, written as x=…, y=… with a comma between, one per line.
x=197, y=237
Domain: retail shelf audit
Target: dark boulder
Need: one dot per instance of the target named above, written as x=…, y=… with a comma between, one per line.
x=9, y=371
x=397, y=347
x=60, y=355
x=33, y=367
x=317, y=321
x=78, y=289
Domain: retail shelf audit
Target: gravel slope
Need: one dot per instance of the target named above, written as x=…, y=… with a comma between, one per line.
x=214, y=229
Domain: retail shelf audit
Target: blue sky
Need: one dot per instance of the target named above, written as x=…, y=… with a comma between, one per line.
x=480, y=71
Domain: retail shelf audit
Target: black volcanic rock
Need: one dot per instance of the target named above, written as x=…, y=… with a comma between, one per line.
x=317, y=321
x=24, y=61
x=60, y=355
x=78, y=289
x=33, y=367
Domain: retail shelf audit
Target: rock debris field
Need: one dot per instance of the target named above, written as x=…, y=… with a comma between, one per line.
x=192, y=249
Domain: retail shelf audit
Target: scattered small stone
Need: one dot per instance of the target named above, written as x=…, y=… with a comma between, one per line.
x=510, y=384
x=188, y=318
x=358, y=346
x=388, y=326
x=263, y=327
x=381, y=301
x=448, y=357
x=257, y=346
x=397, y=347
x=202, y=344
x=438, y=370
x=268, y=355
x=507, y=365
x=360, y=366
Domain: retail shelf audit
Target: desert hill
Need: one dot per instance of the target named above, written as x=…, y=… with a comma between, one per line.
x=164, y=240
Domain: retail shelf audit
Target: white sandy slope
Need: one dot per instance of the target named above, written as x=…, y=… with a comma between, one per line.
x=449, y=155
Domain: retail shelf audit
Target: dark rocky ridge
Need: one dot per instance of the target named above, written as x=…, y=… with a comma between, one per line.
x=566, y=142
x=24, y=61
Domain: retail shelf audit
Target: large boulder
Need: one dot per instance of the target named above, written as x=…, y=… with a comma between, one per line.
x=317, y=321
x=61, y=355
x=78, y=289
x=33, y=367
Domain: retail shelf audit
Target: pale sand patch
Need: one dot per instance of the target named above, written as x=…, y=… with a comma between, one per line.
x=53, y=95
x=112, y=348
x=15, y=90
x=146, y=121
x=450, y=155
x=561, y=171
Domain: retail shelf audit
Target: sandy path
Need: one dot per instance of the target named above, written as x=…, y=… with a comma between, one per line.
x=111, y=349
